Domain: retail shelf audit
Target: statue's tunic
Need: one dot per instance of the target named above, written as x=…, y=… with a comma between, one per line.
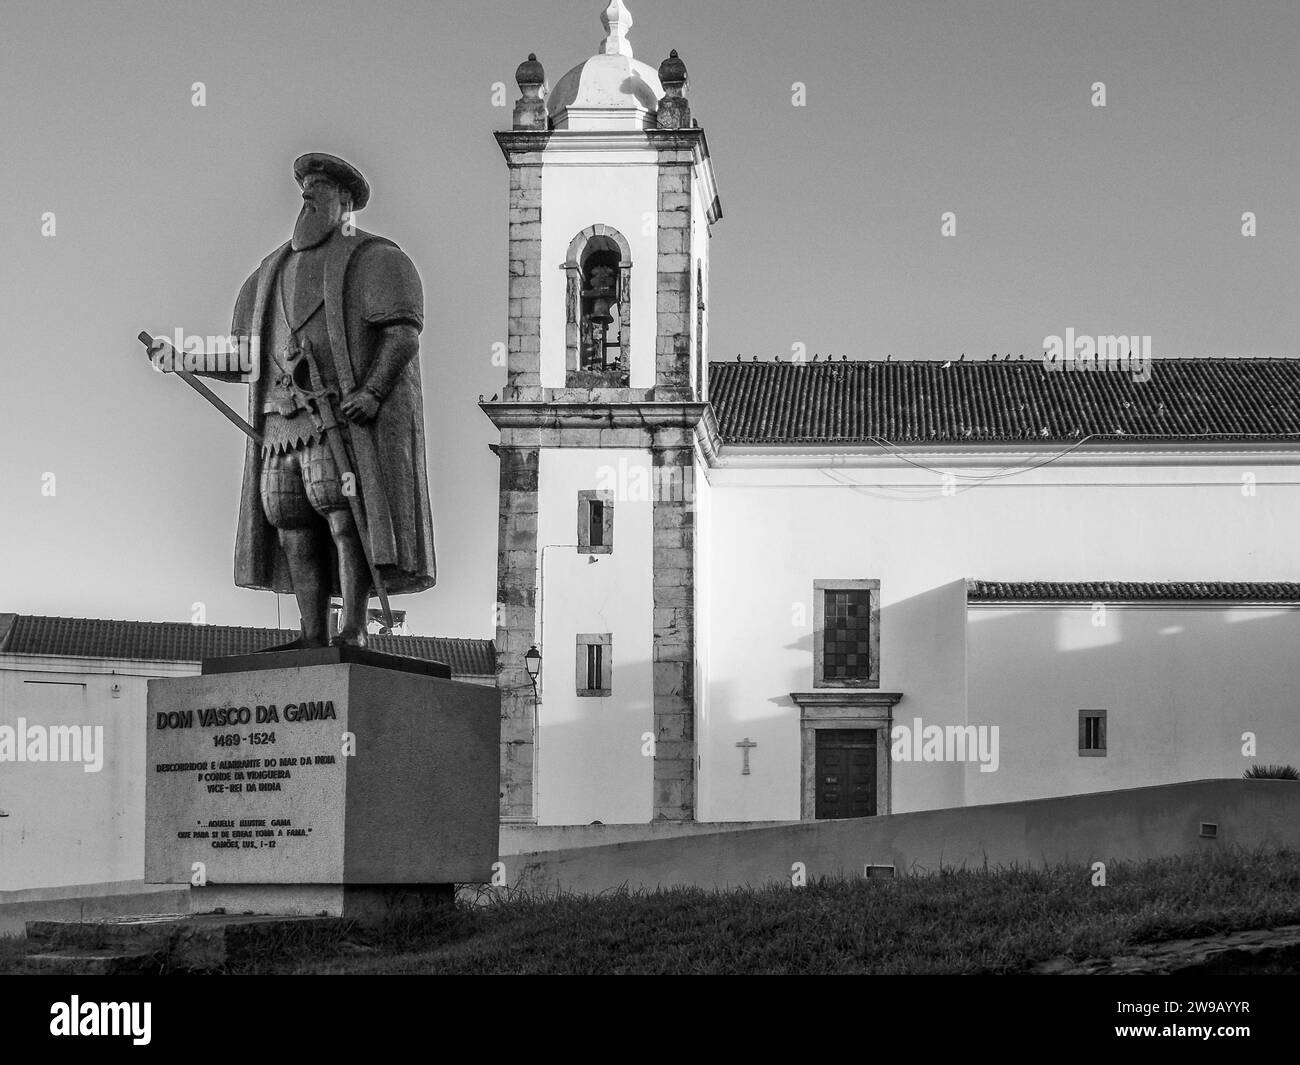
x=300, y=478
x=365, y=283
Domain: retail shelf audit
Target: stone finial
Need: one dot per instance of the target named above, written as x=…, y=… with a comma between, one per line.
x=617, y=20
x=674, y=110
x=530, y=109
x=672, y=74
x=530, y=77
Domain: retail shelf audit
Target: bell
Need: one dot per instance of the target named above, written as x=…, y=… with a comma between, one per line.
x=600, y=310
x=601, y=293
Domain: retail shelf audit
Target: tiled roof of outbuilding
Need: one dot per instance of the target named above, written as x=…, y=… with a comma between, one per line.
x=978, y=591
x=1002, y=401
x=178, y=641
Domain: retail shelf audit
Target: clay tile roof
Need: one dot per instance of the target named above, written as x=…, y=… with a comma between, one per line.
x=178, y=641
x=978, y=591
x=987, y=401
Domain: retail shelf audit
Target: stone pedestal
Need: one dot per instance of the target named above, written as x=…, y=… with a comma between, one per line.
x=349, y=784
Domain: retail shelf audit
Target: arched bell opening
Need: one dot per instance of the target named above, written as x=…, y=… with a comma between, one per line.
x=600, y=343
x=598, y=313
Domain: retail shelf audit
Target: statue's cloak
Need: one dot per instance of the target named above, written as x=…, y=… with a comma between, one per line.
x=369, y=284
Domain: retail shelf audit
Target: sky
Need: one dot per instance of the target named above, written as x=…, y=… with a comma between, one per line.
x=119, y=486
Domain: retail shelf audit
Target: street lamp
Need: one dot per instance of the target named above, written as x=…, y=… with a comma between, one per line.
x=533, y=663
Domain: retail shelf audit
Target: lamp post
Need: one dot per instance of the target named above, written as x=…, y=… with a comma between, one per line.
x=533, y=663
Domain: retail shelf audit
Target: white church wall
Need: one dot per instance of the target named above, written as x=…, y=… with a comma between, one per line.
x=579, y=194
x=704, y=549
x=1180, y=684
x=771, y=547
x=778, y=529
x=589, y=755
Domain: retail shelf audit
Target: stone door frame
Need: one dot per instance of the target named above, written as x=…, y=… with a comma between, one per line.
x=843, y=708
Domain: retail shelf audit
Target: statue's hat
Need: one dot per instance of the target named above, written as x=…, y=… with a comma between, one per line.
x=339, y=170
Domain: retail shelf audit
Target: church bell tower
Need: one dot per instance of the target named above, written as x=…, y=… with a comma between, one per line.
x=605, y=431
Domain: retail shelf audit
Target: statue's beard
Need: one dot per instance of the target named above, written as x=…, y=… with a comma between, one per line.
x=313, y=226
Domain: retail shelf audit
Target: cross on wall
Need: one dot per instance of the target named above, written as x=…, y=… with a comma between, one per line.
x=745, y=745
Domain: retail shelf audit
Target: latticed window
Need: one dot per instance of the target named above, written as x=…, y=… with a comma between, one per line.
x=846, y=650
x=847, y=637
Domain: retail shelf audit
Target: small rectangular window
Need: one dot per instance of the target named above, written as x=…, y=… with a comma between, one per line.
x=1092, y=733
x=596, y=522
x=594, y=673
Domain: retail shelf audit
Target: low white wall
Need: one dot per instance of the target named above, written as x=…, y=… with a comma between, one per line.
x=62, y=824
x=1110, y=826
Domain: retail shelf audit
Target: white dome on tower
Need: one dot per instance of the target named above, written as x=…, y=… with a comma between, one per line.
x=611, y=90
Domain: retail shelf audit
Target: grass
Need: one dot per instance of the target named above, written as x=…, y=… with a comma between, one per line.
x=995, y=921
x=12, y=951
x=998, y=921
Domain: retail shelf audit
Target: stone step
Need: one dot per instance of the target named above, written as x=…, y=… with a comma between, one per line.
x=189, y=941
x=94, y=962
x=150, y=932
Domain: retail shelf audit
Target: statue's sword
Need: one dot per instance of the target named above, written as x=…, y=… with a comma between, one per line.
x=156, y=346
x=320, y=402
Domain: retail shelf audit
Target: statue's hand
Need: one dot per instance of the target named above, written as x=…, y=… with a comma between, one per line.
x=360, y=406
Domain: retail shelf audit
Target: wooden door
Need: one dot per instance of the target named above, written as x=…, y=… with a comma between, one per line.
x=846, y=773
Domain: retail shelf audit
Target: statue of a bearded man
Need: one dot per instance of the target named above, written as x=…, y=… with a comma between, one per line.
x=352, y=300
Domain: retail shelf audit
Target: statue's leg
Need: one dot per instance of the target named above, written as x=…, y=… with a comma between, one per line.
x=354, y=578
x=325, y=490
x=303, y=550
x=300, y=531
